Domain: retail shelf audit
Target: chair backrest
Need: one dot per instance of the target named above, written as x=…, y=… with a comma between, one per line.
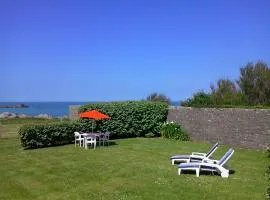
x=91, y=138
x=212, y=150
x=107, y=135
x=77, y=134
x=226, y=157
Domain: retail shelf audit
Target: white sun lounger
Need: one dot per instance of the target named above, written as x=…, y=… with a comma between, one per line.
x=195, y=156
x=209, y=165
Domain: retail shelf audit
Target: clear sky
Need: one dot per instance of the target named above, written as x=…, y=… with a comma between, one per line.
x=53, y=50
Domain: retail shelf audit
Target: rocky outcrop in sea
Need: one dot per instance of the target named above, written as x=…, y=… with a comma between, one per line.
x=9, y=115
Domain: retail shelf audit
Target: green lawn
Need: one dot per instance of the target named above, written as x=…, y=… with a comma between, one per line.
x=137, y=168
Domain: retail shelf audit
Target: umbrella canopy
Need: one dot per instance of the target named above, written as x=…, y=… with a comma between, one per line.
x=94, y=114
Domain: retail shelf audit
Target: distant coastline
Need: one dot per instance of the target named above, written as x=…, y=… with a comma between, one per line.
x=15, y=106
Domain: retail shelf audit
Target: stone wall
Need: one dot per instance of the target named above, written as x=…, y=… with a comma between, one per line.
x=235, y=127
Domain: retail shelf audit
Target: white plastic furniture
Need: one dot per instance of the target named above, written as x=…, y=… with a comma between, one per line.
x=209, y=165
x=195, y=156
x=78, y=139
x=104, y=138
x=90, y=139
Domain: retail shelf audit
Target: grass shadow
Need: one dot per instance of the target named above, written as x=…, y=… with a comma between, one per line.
x=205, y=173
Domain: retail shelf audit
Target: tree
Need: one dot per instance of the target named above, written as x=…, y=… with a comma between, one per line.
x=254, y=82
x=226, y=93
x=158, y=97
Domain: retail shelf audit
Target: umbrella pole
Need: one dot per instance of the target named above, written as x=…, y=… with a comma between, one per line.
x=92, y=126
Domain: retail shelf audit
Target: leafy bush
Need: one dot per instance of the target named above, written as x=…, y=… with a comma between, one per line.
x=199, y=99
x=130, y=118
x=267, y=194
x=50, y=134
x=158, y=98
x=174, y=131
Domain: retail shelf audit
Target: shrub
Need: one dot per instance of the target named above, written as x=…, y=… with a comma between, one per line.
x=174, y=131
x=268, y=194
x=130, y=118
x=50, y=134
x=199, y=99
x=158, y=98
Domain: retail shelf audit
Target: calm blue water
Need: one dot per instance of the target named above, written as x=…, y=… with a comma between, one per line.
x=35, y=108
x=51, y=108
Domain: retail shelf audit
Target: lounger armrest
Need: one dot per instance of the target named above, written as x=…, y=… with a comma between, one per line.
x=198, y=154
x=210, y=161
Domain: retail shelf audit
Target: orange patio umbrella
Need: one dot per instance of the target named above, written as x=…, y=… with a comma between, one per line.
x=94, y=114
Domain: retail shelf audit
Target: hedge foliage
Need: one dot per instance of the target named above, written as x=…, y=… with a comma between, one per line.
x=129, y=119
x=174, y=131
x=50, y=134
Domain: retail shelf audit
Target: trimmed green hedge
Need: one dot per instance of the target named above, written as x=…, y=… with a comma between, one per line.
x=50, y=134
x=129, y=119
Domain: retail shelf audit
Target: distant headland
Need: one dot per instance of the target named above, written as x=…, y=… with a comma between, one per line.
x=14, y=106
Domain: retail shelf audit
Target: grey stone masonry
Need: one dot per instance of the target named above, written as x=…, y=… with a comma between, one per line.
x=249, y=128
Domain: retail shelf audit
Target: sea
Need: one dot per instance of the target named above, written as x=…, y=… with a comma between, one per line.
x=54, y=109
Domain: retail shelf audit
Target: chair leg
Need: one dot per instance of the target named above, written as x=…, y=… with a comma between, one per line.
x=179, y=171
x=172, y=161
x=197, y=172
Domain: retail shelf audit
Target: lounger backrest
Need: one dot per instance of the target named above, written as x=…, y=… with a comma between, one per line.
x=226, y=157
x=212, y=150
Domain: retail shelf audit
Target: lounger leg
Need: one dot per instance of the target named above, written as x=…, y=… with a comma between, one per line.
x=225, y=174
x=179, y=171
x=172, y=161
x=197, y=172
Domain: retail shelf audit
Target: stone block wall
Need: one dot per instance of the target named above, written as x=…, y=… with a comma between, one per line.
x=248, y=128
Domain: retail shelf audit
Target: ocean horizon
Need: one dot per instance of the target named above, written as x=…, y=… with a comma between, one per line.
x=54, y=109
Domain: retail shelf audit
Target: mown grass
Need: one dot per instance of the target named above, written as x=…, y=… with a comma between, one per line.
x=137, y=168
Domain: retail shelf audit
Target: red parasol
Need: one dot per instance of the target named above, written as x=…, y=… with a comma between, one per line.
x=94, y=114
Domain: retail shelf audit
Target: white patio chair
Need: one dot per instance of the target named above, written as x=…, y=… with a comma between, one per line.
x=104, y=138
x=209, y=165
x=78, y=138
x=195, y=156
x=90, y=139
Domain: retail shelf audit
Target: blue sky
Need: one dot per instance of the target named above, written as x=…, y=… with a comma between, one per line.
x=123, y=50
